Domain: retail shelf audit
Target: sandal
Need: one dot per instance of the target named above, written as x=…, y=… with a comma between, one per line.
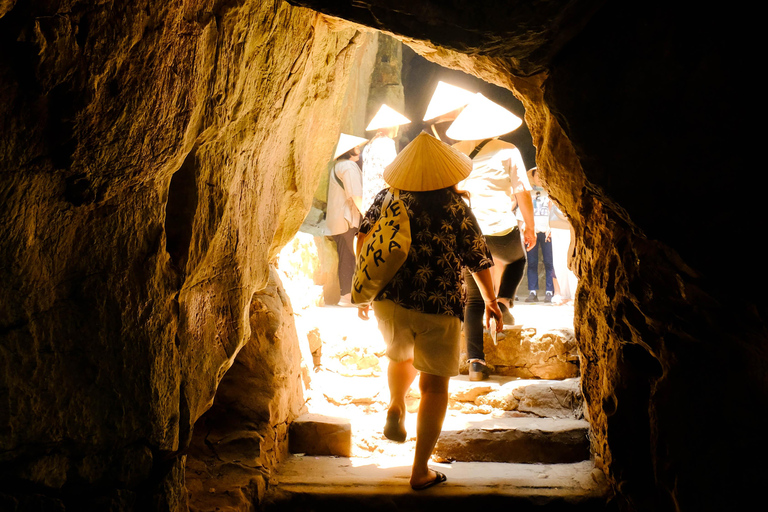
x=439, y=478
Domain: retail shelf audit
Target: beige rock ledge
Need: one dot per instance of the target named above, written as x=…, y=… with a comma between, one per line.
x=529, y=440
x=330, y=483
x=315, y=434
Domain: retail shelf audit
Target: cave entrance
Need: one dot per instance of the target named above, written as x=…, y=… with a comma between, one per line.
x=535, y=381
x=536, y=364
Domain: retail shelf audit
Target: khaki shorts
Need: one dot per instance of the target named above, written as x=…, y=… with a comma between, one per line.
x=432, y=341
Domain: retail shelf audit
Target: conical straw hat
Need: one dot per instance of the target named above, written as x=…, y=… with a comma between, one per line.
x=482, y=119
x=447, y=98
x=427, y=164
x=386, y=117
x=347, y=142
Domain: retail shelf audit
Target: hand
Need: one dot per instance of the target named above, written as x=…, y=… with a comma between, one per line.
x=529, y=236
x=549, y=236
x=362, y=311
x=492, y=310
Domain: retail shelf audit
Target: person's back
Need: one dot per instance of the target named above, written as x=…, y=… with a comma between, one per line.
x=497, y=185
x=444, y=234
x=419, y=311
x=498, y=173
x=341, y=213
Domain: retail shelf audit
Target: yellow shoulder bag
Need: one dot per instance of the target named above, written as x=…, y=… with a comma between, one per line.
x=385, y=248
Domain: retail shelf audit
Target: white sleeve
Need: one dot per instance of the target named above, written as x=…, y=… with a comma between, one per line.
x=513, y=160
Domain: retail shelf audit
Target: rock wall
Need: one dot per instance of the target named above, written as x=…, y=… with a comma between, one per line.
x=244, y=435
x=153, y=157
x=634, y=111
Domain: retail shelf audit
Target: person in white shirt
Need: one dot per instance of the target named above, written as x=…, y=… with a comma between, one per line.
x=344, y=209
x=497, y=186
x=543, y=242
x=380, y=151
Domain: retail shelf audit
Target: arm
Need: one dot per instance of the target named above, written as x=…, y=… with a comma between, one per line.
x=525, y=203
x=358, y=202
x=521, y=189
x=549, y=228
x=362, y=311
x=484, y=282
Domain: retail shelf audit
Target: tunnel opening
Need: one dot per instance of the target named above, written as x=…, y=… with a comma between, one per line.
x=638, y=112
x=341, y=353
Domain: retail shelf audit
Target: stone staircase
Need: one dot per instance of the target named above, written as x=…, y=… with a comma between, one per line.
x=534, y=455
x=534, y=421
x=507, y=441
x=328, y=483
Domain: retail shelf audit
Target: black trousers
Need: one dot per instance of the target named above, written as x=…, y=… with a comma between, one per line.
x=345, y=247
x=507, y=248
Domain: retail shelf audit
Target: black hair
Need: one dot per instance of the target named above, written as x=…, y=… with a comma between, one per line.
x=348, y=155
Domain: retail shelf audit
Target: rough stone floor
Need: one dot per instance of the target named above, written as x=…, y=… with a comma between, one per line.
x=352, y=386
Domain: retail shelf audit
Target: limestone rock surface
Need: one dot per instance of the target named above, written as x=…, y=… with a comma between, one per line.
x=154, y=157
x=523, y=352
x=526, y=354
x=244, y=435
x=315, y=434
x=516, y=440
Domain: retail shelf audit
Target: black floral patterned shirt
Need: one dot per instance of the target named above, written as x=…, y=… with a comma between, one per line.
x=445, y=237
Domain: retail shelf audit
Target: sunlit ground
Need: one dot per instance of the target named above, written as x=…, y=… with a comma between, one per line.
x=353, y=381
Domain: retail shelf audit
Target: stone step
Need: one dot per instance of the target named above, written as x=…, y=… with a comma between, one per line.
x=523, y=440
x=317, y=434
x=528, y=352
x=535, y=397
x=331, y=483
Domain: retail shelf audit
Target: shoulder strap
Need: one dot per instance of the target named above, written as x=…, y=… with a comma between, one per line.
x=477, y=149
x=335, y=177
x=392, y=195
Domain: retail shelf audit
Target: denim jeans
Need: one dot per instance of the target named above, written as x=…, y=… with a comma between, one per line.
x=533, y=264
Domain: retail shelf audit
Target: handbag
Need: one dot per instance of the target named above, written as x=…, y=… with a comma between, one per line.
x=384, y=250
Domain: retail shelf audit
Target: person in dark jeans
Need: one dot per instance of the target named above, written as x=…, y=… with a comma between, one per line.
x=543, y=239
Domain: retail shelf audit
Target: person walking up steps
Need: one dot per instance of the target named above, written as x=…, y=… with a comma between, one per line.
x=497, y=186
x=419, y=311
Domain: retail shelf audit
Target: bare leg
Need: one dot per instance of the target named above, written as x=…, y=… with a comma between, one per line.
x=400, y=376
x=434, y=403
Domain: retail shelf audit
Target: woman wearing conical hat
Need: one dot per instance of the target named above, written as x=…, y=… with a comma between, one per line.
x=380, y=152
x=344, y=209
x=497, y=186
x=444, y=106
x=419, y=311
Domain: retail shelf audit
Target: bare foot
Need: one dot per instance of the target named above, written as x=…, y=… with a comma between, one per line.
x=426, y=481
